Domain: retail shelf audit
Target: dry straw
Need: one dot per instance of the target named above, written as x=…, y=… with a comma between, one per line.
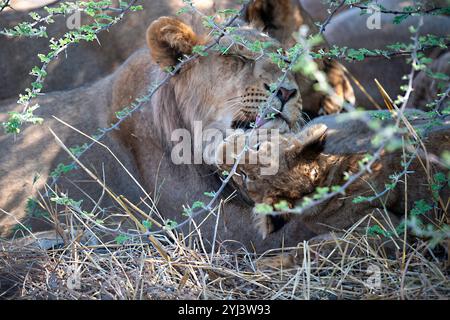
x=181, y=268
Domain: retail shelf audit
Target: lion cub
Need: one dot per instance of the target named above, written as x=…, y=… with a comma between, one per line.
x=328, y=150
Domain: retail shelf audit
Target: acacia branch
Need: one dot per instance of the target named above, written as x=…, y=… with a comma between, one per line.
x=440, y=102
x=397, y=12
x=328, y=20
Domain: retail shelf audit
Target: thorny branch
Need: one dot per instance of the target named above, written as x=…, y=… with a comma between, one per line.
x=397, y=12
x=440, y=102
x=49, y=17
x=328, y=19
x=25, y=100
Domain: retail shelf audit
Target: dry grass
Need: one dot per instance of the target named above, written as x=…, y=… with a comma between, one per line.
x=140, y=271
x=172, y=265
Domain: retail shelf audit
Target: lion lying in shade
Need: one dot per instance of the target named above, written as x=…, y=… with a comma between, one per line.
x=87, y=62
x=323, y=153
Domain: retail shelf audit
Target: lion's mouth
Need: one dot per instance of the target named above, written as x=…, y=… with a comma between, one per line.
x=257, y=122
x=244, y=125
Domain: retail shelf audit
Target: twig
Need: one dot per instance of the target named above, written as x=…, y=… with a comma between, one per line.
x=440, y=102
x=328, y=20
x=396, y=12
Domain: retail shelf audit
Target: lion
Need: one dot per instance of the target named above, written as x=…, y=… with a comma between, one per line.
x=323, y=154
x=215, y=89
x=23, y=5
x=349, y=29
x=429, y=88
x=278, y=18
x=88, y=61
x=81, y=64
x=319, y=9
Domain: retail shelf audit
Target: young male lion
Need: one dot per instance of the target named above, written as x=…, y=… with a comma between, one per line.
x=218, y=90
x=324, y=153
x=87, y=62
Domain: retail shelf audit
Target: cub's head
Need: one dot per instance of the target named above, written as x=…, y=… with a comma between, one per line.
x=223, y=91
x=300, y=167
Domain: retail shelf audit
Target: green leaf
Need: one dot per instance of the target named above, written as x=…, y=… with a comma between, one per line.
x=147, y=224
x=282, y=206
x=121, y=239
x=262, y=208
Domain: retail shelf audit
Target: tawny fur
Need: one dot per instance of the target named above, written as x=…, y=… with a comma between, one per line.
x=282, y=20
x=279, y=18
x=169, y=39
x=211, y=89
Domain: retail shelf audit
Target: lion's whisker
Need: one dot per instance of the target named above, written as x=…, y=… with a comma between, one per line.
x=233, y=105
x=236, y=99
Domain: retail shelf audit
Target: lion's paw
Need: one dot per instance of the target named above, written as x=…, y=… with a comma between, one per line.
x=281, y=261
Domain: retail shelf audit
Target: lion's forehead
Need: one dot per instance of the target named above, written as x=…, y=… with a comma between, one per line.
x=252, y=36
x=246, y=40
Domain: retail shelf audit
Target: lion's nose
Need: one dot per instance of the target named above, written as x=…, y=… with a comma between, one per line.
x=285, y=95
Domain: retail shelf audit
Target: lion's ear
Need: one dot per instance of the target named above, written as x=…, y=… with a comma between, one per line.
x=308, y=143
x=169, y=39
x=266, y=14
x=342, y=86
x=315, y=140
x=279, y=18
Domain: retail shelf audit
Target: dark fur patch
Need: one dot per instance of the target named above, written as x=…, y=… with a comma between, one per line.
x=278, y=222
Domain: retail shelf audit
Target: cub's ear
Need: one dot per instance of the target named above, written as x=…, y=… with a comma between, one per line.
x=169, y=39
x=312, y=135
x=309, y=140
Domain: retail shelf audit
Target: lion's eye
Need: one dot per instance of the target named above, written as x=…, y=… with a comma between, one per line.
x=313, y=174
x=241, y=58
